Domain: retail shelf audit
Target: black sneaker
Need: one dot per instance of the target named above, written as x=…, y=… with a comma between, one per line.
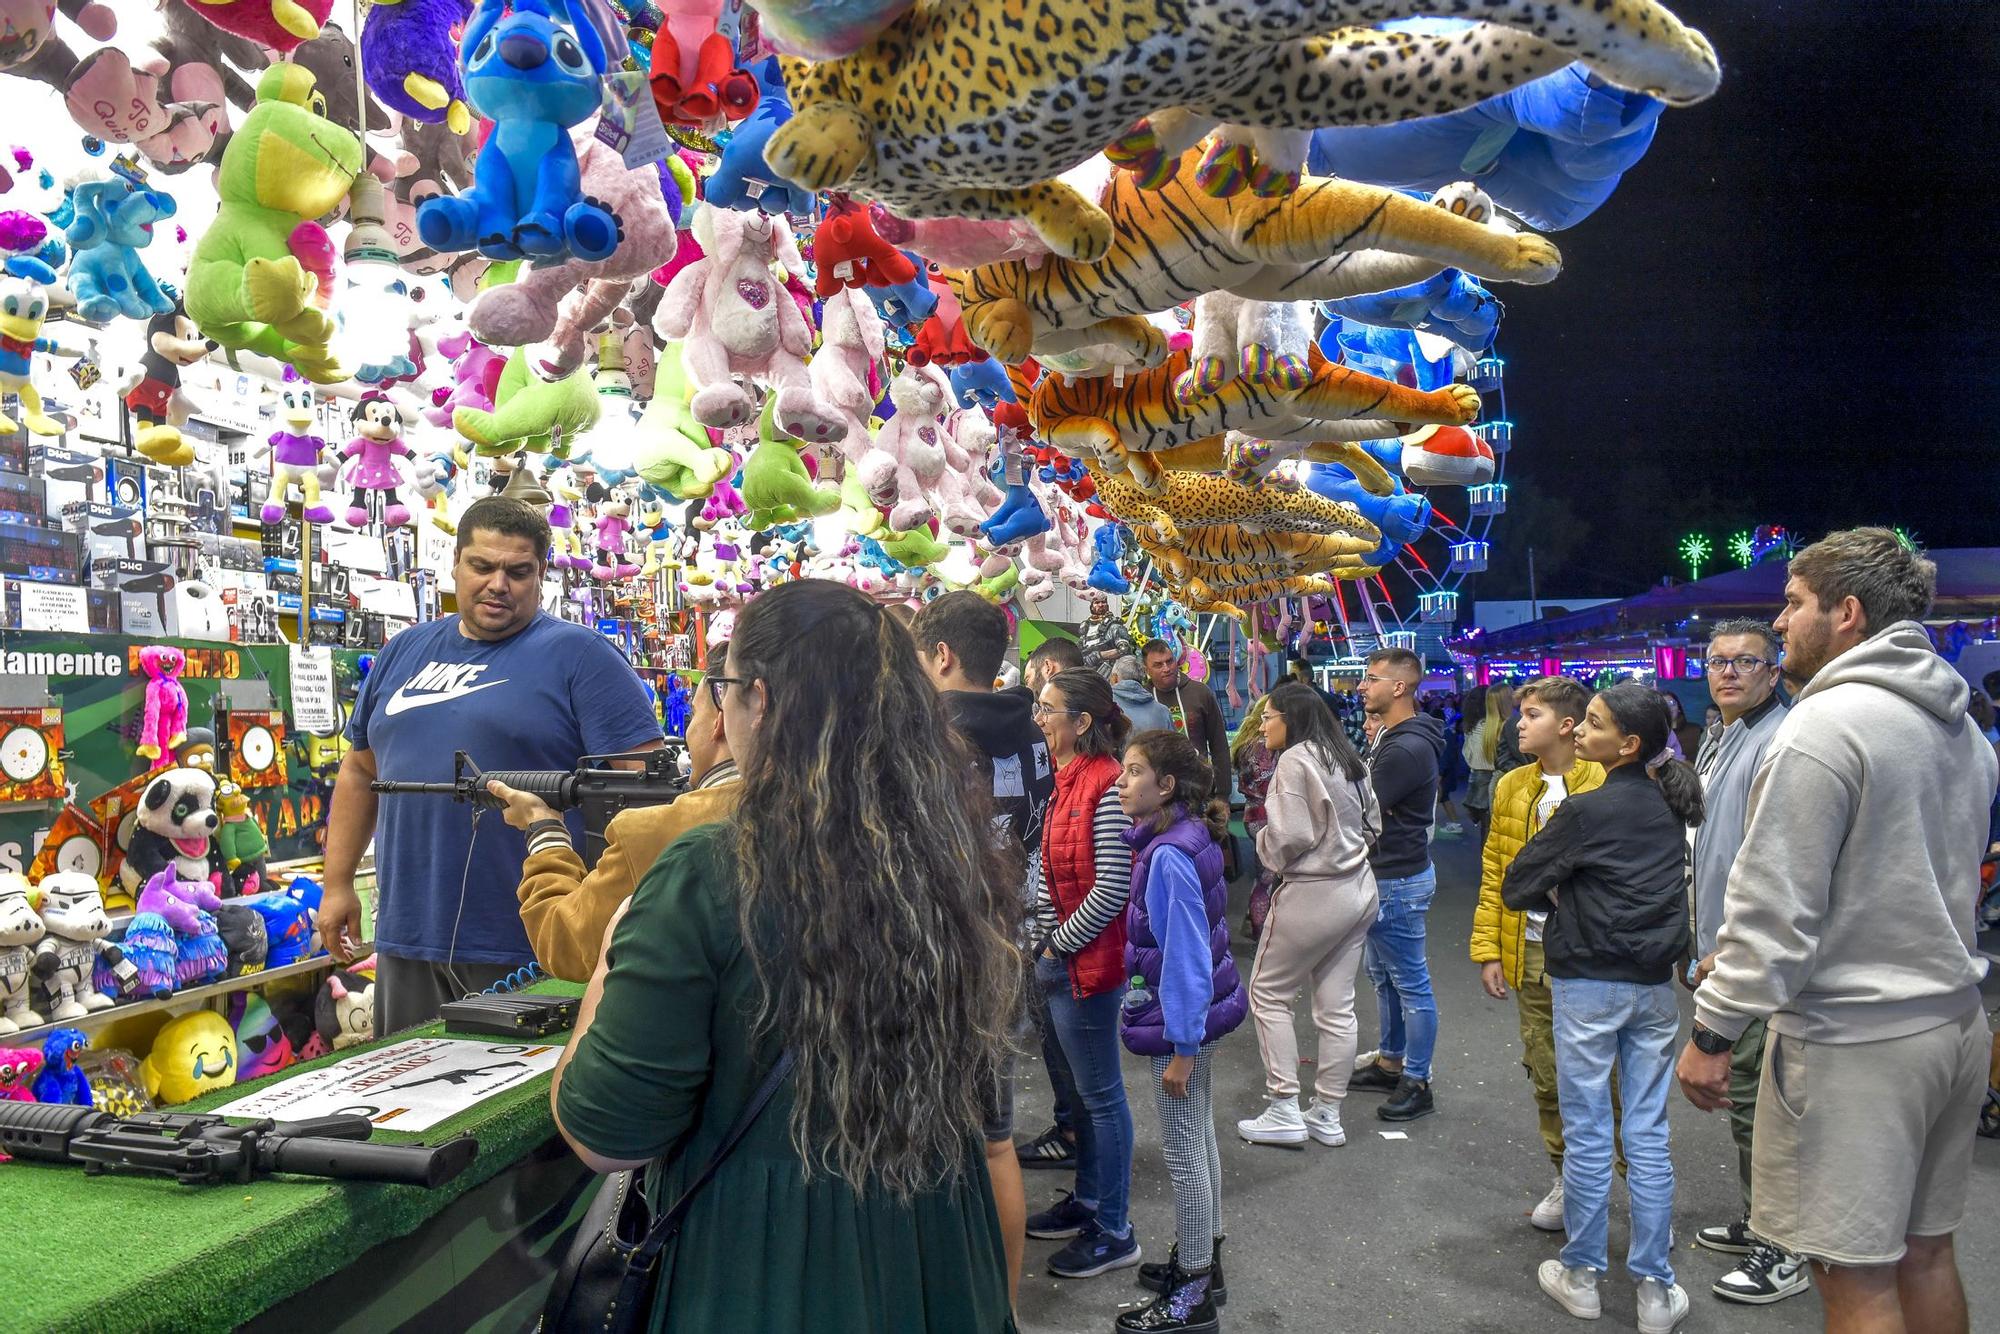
x=1157, y=1277
x=1377, y=1078
x=1766, y=1275
x=1051, y=1148
x=1061, y=1220
x=1730, y=1239
x=1411, y=1100
x=1186, y=1307
x=1094, y=1251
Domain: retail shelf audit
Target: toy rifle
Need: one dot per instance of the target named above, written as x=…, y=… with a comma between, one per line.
x=197, y=1150
x=597, y=789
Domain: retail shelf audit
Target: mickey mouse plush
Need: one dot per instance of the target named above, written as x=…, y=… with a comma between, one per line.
x=172, y=827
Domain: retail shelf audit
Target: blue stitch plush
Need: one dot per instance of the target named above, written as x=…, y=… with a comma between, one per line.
x=1105, y=572
x=534, y=73
x=741, y=180
x=110, y=222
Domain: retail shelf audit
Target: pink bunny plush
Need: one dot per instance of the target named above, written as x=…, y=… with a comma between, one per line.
x=909, y=453
x=847, y=371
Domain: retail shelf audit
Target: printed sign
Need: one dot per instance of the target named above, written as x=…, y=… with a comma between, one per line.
x=405, y=1086
x=313, y=702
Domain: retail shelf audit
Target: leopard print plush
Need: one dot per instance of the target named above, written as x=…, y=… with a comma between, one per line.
x=970, y=108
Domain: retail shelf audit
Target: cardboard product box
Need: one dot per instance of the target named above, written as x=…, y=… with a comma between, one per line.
x=68, y=476
x=14, y=447
x=128, y=480
x=39, y=549
x=100, y=607
x=21, y=493
x=144, y=589
x=107, y=532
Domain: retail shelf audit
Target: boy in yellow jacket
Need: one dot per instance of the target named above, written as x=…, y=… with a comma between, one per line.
x=1507, y=945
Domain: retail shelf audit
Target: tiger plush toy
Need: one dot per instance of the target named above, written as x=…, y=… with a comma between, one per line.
x=971, y=108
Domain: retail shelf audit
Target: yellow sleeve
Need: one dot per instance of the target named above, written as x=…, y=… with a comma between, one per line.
x=566, y=909
x=1492, y=868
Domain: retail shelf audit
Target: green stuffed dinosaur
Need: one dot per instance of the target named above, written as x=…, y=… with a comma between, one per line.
x=261, y=266
x=675, y=454
x=916, y=548
x=530, y=413
x=776, y=486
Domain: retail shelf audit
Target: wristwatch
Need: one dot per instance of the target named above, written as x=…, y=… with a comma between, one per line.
x=1710, y=1043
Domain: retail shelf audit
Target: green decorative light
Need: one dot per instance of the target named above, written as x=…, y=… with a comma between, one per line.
x=1695, y=549
x=1906, y=537
x=1740, y=548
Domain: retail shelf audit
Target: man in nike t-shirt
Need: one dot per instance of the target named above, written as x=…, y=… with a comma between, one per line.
x=512, y=688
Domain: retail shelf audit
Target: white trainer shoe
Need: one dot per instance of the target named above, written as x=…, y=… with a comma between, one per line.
x=1575, y=1290
x=1548, y=1215
x=1661, y=1306
x=1366, y=1059
x=1323, y=1123
x=1280, y=1124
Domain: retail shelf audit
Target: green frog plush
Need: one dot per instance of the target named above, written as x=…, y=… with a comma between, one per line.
x=530, y=411
x=264, y=266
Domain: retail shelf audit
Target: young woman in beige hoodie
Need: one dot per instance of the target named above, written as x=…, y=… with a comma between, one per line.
x=1322, y=818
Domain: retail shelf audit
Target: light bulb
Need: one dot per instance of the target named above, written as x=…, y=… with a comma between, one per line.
x=830, y=531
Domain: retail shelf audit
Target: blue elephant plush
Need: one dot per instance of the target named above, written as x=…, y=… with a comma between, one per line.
x=534, y=72
x=109, y=223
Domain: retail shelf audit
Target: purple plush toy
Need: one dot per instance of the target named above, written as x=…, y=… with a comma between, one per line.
x=411, y=62
x=203, y=957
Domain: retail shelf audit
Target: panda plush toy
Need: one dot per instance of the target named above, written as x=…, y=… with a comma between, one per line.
x=172, y=826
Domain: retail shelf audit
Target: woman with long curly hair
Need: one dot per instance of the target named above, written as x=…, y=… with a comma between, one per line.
x=855, y=914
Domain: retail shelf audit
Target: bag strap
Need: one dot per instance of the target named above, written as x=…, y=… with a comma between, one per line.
x=667, y=1224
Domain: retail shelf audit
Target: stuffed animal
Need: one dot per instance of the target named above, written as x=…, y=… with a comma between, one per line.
x=172, y=826
x=943, y=338
x=278, y=24
x=240, y=839
x=965, y=493
x=60, y=1079
x=192, y=1054
x=677, y=453
x=18, y=1068
x=1107, y=571
x=165, y=723
x=1402, y=515
x=848, y=252
x=20, y=928
x=908, y=456
x=734, y=326
x=475, y=374
x=111, y=222
x=263, y=1044
x=257, y=272
x=288, y=926
x=29, y=26
x=174, y=112
x=1447, y=456
x=827, y=29
x=910, y=121
x=296, y=453
x=613, y=523
x=693, y=72
x=344, y=1009
x=24, y=303
x=159, y=409
x=149, y=944
x=534, y=72
x=531, y=412
x=411, y=62
x=539, y=304
x=1450, y=304
x=1263, y=340
x=777, y=487
x=245, y=944
x=377, y=442
x=848, y=371
x=187, y=906
x=740, y=179
x=66, y=958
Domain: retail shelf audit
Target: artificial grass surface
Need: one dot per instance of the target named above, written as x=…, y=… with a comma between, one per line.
x=130, y=1253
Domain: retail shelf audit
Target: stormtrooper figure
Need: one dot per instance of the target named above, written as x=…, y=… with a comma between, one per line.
x=20, y=928
x=73, y=910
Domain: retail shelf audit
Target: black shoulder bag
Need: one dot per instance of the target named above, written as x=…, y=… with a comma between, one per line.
x=609, y=1278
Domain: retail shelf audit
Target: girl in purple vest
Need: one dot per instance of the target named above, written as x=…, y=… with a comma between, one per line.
x=1185, y=995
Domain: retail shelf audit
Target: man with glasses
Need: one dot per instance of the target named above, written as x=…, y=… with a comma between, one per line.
x=1742, y=669
x=566, y=908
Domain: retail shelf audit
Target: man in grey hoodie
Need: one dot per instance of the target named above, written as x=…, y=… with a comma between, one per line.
x=1135, y=697
x=1848, y=924
x=1742, y=671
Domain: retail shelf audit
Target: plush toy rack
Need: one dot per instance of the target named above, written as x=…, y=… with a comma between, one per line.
x=189, y=999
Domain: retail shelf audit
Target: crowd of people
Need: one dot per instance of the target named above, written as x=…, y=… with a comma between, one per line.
x=894, y=874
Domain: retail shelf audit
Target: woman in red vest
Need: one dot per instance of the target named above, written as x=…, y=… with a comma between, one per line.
x=1080, y=965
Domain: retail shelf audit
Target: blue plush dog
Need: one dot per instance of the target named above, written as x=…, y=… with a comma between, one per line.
x=533, y=73
x=110, y=221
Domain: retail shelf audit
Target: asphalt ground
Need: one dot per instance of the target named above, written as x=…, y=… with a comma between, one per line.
x=1429, y=1233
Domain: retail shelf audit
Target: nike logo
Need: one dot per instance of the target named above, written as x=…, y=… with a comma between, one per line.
x=438, y=682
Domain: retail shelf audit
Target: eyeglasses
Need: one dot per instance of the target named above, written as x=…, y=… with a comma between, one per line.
x=716, y=685
x=1041, y=710
x=1742, y=666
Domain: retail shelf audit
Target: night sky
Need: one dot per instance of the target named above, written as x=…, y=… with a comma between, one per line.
x=1785, y=314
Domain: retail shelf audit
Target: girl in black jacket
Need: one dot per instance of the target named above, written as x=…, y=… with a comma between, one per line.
x=1610, y=868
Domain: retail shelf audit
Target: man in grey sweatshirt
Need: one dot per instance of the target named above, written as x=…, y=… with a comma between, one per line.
x=1847, y=923
x=1742, y=671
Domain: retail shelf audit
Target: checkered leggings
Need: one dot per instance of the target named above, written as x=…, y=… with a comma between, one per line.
x=1194, y=1162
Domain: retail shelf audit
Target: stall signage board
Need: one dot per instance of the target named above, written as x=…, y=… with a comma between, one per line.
x=314, y=708
x=59, y=607
x=410, y=1085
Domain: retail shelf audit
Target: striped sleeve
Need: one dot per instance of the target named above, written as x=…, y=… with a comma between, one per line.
x=1107, y=898
x=1045, y=907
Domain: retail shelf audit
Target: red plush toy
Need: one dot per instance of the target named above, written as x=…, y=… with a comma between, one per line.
x=942, y=338
x=849, y=252
x=278, y=24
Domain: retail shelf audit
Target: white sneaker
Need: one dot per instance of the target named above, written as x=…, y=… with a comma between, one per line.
x=1548, y=1215
x=1575, y=1290
x=1766, y=1275
x=1366, y=1059
x=1661, y=1306
x=1323, y=1123
x=1281, y=1124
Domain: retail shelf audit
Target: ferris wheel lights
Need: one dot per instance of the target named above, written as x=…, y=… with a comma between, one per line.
x=1488, y=499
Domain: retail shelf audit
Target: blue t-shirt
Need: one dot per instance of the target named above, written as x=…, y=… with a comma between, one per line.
x=541, y=700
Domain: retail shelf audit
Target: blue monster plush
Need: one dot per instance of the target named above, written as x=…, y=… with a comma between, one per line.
x=678, y=706
x=1402, y=515
x=60, y=1080
x=1450, y=304
x=1105, y=574
x=534, y=73
x=906, y=305
x=741, y=180
x=110, y=222
x=981, y=384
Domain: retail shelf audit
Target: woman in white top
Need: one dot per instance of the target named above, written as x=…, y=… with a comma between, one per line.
x=1482, y=742
x=1322, y=818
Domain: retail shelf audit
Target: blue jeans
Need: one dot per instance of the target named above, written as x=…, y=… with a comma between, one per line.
x=1395, y=960
x=1088, y=1032
x=1633, y=1026
x=1061, y=1083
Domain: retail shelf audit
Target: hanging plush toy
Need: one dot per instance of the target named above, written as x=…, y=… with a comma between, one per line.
x=171, y=111
x=741, y=180
x=165, y=723
x=531, y=412
x=278, y=24
x=263, y=264
x=614, y=521
x=24, y=303
x=534, y=73
x=112, y=221
x=677, y=453
x=73, y=909
x=159, y=408
x=377, y=442
x=694, y=74
x=777, y=488
x=411, y=63
x=21, y=927
x=295, y=453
